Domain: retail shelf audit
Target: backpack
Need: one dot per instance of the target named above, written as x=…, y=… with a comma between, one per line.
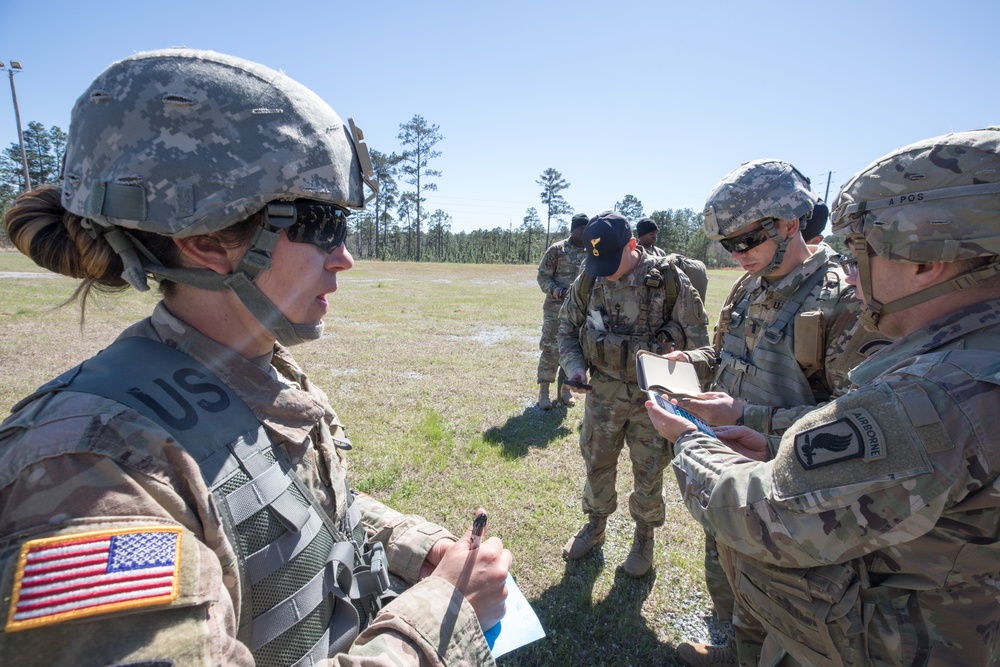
x=695, y=270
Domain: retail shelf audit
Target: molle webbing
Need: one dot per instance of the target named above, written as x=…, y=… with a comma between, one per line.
x=770, y=374
x=304, y=580
x=613, y=351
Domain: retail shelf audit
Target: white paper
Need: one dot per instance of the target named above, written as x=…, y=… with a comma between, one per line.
x=519, y=625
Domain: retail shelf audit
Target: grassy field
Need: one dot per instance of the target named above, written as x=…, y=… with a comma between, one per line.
x=432, y=367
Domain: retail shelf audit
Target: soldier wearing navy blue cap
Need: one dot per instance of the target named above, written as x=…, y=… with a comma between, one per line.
x=626, y=300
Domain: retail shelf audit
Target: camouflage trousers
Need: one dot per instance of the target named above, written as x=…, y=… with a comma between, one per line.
x=718, y=585
x=750, y=635
x=615, y=413
x=548, y=362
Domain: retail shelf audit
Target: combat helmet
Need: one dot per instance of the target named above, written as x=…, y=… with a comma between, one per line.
x=760, y=191
x=181, y=142
x=936, y=200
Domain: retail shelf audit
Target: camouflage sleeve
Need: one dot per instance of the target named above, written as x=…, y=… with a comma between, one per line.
x=547, y=271
x=406, y=537
x=689, y=313
x=705, y=364
x=871, y=470
x=429, y=624
x=572, y=316
x=62, y=478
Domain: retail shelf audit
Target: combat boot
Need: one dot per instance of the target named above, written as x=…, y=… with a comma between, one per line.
x=544, y=402
x=566, y=396
x=640, y=558
x=588, y=537
x=707, y=655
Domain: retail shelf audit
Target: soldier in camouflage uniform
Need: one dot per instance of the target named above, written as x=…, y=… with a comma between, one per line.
x=192, y=509
x=868, y=534
x=556, y=272
x=782, y=345
x=645, y=234
x=625, y=301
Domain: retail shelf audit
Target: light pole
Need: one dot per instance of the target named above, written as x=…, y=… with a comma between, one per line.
x=15, y=66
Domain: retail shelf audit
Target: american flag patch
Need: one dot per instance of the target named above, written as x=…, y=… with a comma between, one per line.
x=73, y=576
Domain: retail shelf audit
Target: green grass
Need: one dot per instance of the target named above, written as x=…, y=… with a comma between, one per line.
x=432, y=369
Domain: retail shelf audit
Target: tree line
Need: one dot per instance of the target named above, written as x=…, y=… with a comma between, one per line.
x=397, y=225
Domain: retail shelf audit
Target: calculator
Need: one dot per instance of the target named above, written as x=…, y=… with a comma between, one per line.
x=681, y=412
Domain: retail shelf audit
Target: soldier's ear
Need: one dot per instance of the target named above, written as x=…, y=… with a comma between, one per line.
x=205, y=252
x=789, y=228
x=632, y=243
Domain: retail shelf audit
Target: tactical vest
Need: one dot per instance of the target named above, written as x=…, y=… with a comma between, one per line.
x=613, y=350
x=308, y=586
x=772, y=374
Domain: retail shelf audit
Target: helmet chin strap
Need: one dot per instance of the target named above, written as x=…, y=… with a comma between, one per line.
x=267, y=313
x=875, y=309
x=255, y=261
x=779, y=254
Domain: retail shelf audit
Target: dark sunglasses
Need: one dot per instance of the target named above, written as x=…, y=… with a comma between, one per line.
x=848, y=264
x=745, y=241
x=321, y=225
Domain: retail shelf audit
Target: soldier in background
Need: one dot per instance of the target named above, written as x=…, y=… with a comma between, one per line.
x=626, y=300
x=870, y=534
x=559, y=266
x=645, y=233
x=812, y=232
x=781, y=344
x=181, y=498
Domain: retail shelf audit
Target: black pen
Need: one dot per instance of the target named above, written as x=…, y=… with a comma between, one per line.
x=478, y=528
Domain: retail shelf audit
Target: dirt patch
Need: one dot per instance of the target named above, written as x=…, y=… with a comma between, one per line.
x=25, y=274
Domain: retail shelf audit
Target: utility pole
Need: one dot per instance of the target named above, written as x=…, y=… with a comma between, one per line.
x=826, y=197
x=15, y=66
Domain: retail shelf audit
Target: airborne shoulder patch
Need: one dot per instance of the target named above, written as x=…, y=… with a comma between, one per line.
x=75, y=576
x=855, y=435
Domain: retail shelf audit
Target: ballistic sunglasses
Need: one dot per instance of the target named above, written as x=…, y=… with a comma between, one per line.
x=321, y=225
x=848, y=264
x=745, y=241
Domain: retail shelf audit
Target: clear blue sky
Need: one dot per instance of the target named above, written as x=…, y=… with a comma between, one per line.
x=657, y=99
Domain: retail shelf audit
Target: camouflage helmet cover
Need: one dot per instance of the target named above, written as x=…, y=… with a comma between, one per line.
x=182, y=142
x=934, y=200
x=757, y=190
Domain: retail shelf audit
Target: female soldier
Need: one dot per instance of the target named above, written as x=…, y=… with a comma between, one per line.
x=192, y=508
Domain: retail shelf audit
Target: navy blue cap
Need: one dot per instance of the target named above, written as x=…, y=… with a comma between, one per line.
x=605, y=238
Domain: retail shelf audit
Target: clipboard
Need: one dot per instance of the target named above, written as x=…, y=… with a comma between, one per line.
x=674, y=378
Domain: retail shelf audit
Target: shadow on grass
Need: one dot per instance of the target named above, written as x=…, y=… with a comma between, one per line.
x=532, y=428
x=579, y=631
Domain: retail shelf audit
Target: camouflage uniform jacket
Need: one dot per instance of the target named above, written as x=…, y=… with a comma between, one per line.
x=902, y=474
x=656, y=251
x=74, y=462
x=840, y=315
x=615, y=307
x=559, y=266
